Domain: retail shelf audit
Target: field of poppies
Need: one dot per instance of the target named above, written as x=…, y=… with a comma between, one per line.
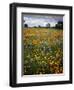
x=43, y=51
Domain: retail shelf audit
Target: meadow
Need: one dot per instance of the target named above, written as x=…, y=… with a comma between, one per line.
x=43, y=51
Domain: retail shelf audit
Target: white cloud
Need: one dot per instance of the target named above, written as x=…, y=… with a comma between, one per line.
x=36, y=20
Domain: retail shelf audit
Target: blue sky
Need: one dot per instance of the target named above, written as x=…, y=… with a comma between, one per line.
x=36, y=20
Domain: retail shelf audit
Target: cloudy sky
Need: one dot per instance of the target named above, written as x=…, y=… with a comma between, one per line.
x=42, y=20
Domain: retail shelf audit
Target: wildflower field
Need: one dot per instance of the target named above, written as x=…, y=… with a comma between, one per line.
x=43, y=51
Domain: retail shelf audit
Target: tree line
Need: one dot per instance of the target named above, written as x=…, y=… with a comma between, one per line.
x=59, y=25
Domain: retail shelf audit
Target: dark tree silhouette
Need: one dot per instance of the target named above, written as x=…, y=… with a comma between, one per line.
x=39, y=26
x=48, y=25
x=25, y=25
x=59, y=25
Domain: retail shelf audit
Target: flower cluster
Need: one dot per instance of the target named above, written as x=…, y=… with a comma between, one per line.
x=43, y=51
